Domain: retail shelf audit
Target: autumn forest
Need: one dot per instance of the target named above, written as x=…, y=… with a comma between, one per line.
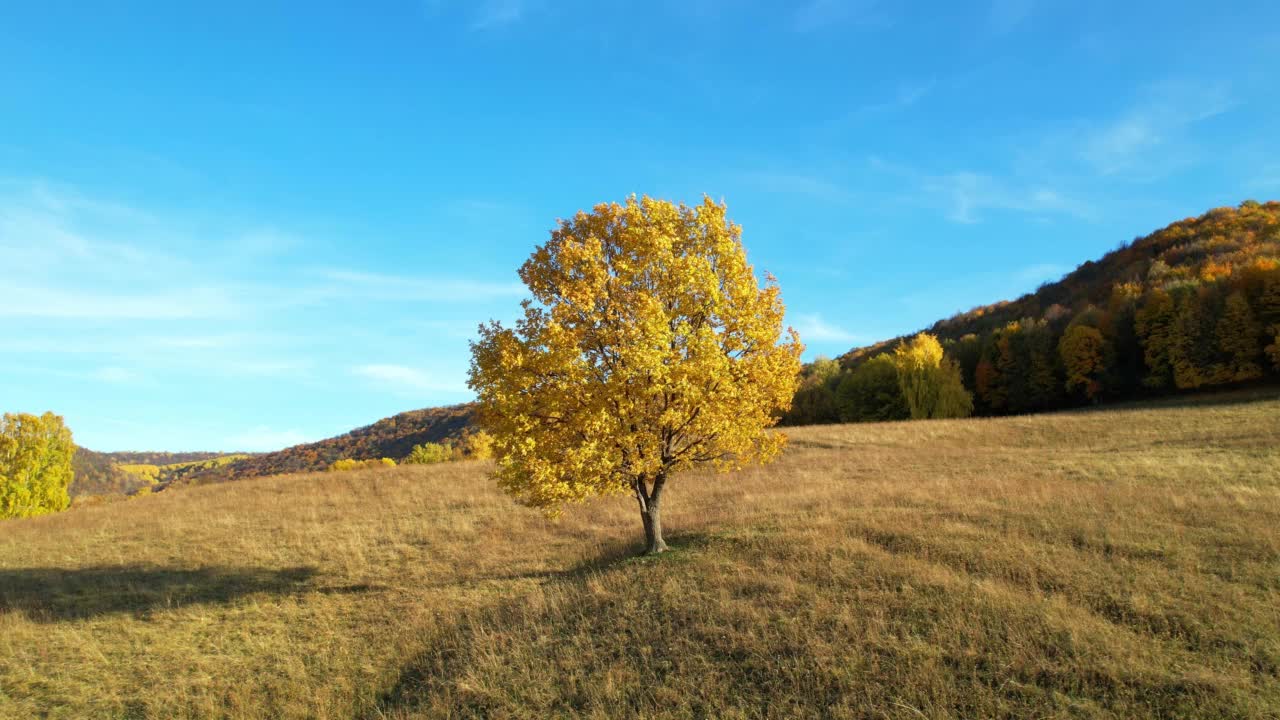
x=1194, y=305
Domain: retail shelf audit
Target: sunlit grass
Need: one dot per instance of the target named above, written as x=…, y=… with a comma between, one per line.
x=1119, y=563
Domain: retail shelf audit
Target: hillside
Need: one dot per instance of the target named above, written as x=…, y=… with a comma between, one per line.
x=391, y=437
x=1193, y=305
x=124, y=473
x=1116, y=563
x=162, y=458
x=95, y=473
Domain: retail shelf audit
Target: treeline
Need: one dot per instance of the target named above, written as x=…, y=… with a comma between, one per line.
x=95, y=474
x=165, y=458
x=394, y=437
x=1194, y=305
x=473, y=445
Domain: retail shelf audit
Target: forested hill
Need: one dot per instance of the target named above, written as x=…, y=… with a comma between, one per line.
x=95, y=473
x=1192, y=305
x=391, y=437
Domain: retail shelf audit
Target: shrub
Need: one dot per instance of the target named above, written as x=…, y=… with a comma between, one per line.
x=479, y=445
x=429, y=453
x=350, y=464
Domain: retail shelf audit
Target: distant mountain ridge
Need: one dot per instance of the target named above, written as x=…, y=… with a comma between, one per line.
x=391, y=437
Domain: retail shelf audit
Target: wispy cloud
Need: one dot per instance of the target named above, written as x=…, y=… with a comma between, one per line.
x=402, y=379
x=906, y=95
x=1040, y=272
x=265, y=439
x=964, y=196
x=1153, y=133
x=115, y=375
x=819, y=14
x=786, y=183
x=381, y=286
x=1005, y=15
x=497, y=13
x=43, y=302
x=813, y=328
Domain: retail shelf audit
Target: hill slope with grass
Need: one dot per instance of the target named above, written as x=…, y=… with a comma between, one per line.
x=393, y=437
x=1096, y=563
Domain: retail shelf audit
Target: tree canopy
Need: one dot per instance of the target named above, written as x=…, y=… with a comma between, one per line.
x=649, y=347
x=35, y=464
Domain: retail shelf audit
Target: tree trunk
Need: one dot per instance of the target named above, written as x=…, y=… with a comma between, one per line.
x=654, y=543
x=650, y=515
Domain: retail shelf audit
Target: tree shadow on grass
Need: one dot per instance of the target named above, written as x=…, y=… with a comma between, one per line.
x=442, y=666
x=57, y=594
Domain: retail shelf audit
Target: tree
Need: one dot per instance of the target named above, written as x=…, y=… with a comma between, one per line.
x=1154, y=324
x=1273, y=350
x=815, y=402
x=478, y=445
x=930, y=383
x=649, y=347
x=344, y=464
x=429, y=453
x=870, y=393
x=1083, y=351
x=1192, y=348
x=1043, y=384
x=1238, y=336
x=35, y=464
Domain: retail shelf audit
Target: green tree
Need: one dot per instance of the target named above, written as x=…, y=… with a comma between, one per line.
x=1043, y=384
x=1013, y=366
x=1193, y=349
x=815, y=400
x=1238, y=336
x=35, y=464
x=1273, y=350
x=1154, y=323
x=871, y=393
x=931, y=383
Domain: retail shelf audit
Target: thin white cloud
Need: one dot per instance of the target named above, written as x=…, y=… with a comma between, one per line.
x=906, y=95
x=820, y=14
x=115, y=375
x=496, y=13
x=265, y=439
x=1153, y=133
x=42, y=302
x=1006, y=15
x=403, y=379
x=813, y=328
x=380, y=286
x=785, y=183
x=962, y=196
x=1041, y=272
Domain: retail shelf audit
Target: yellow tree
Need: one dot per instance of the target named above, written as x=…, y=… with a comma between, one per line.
x=649, y=347
x=35, y=464
x=930, y=382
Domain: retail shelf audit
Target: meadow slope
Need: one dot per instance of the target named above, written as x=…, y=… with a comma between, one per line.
x=1117, y=563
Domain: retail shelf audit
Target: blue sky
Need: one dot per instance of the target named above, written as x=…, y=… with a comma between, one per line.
x=246, y=225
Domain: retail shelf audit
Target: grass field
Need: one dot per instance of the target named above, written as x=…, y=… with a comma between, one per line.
x=1118, y=563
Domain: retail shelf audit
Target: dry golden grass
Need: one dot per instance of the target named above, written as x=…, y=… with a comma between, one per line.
x=1119, y=563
